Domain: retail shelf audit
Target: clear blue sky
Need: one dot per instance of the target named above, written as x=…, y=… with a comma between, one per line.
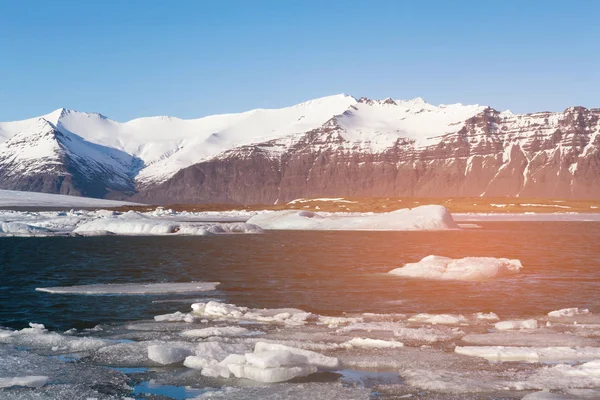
x=134, y=58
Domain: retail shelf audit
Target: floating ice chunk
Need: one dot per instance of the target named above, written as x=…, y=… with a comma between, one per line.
x=336, y=321
x=528, y=338
x=216, y=309
x=426, y=335
x=509, y=325
x=367, y=343
x=166, y=354
x=175, y=317
x=274, y=358
x=463, y=269
x=132, y=288
x=486, y=316
x=213, y=309
x=568, y=378
x=312, y=358
x=442, y=319
x=271, y=375
x=568, y=312
x=212, y=353
x=28, y=381
x=39, y=338
x=530, y=354
x=216, y=331
x=430, y=217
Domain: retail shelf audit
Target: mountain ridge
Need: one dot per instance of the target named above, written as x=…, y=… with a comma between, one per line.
x=383, y=147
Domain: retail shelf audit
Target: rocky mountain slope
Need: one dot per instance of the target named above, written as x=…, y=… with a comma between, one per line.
x=334, y=146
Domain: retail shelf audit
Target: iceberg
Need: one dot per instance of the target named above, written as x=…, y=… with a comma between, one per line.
x=463, y=269
x=430, y=217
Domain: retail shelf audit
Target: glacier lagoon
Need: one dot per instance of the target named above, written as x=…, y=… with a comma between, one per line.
x=325, y=292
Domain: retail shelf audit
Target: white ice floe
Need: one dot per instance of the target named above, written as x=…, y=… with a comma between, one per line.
x=38, y=337
x=531, y=354
x=431, y=217
x=464, y=269
x=131, y=288
x=268, y=363
x=213, y=309
x=177, y=316
x=156, y=226
x=310, y=357
x=167, y=354
x=434, y=319
x=528, y=338
x=486, y=316
x=34, y=381
x=18, y=228
x=271, y=375
x=510, y=325
x=367, y=343
x=104, y=222
x=216, y=331
x=568, y=312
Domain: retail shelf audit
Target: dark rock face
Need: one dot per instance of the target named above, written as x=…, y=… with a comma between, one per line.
x=554, y=155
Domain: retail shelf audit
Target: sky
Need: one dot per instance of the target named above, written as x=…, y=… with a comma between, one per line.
x=135, y=58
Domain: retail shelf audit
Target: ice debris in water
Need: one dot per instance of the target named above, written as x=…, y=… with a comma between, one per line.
x=528, y=338
x=430, y=217
x=38, y=337
x=269, y=362
x=177, y=316
x=463, y=269
x=531, y=354
x=568, y=312
x=28, y=381
x=368, y=343
x=486, y=316
x=156, y=226
x=213, y=309
x=103, y=222
x=509, y=325
x=434, y=319
x=132, y=288
x=167, y=354
x=216, y=331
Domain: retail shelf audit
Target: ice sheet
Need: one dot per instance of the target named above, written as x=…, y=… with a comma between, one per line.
x=133, y=289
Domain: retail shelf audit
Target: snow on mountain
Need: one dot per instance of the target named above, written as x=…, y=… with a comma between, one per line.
x=164, y=145
x=167, y=144
x=331, y=146
x=379, y=123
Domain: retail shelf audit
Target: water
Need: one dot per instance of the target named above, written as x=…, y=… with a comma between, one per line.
x=323, y=272
x=326, y=273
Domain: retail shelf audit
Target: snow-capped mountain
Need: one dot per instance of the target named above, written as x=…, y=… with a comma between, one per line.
x=336, y=146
